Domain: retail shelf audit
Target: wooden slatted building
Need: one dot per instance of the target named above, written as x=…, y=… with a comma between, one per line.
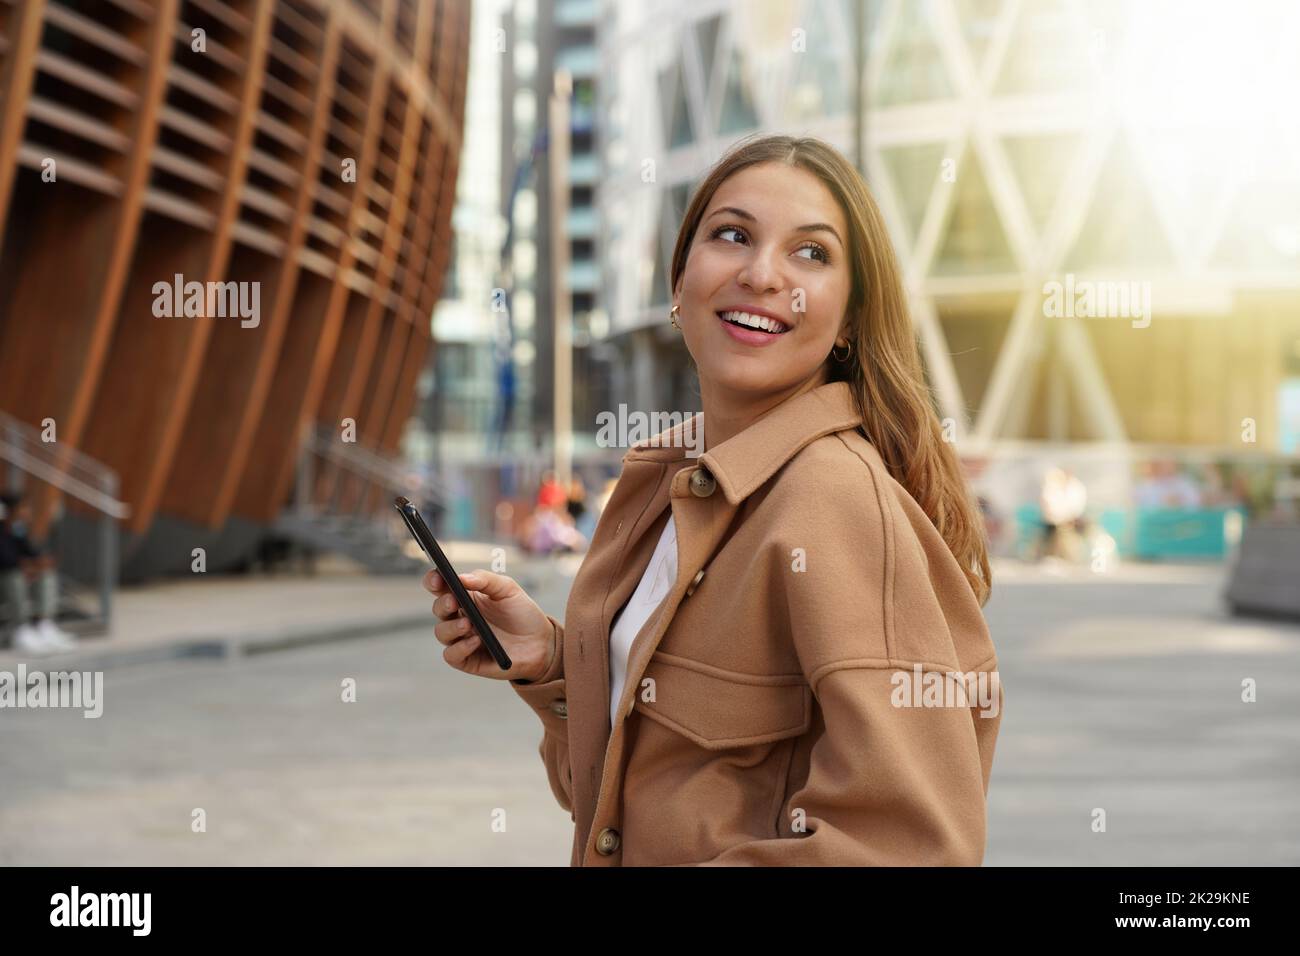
x=309, y=147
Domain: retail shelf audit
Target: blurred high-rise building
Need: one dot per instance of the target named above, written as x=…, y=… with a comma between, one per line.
x=462, y=390
x=543, y=37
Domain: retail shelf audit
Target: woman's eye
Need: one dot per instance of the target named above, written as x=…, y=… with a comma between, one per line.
x=817, y=252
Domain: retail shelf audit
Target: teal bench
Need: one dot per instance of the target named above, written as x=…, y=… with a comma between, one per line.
x=1147, y=534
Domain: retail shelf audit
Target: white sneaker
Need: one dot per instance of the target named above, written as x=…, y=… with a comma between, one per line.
x=30, y=641
x=55, y=636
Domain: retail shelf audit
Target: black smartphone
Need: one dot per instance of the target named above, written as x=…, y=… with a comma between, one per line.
x=421, y=533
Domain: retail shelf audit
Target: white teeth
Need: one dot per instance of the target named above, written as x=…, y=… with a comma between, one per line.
x=754, y=321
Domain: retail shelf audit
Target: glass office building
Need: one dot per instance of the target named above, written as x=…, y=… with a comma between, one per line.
x=1021, y=152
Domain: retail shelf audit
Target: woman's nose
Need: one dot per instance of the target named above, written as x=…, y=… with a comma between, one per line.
x=760, y=273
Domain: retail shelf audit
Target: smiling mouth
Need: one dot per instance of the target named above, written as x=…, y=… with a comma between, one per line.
x=754, y=323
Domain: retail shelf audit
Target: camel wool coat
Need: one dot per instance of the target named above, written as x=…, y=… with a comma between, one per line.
x=760, y=722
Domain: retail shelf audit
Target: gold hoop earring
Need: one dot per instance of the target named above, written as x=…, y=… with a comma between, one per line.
x=848, y=350
x=673, y=313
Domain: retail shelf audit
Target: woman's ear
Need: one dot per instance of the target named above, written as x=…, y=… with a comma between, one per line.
x=845, y=334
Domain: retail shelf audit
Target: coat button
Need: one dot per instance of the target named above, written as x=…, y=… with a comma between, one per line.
x=560, y=708
x=702, y=483
x=690, y=588
x=607, y=841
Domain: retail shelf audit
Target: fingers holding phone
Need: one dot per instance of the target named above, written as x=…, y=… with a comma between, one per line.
x=518, y=623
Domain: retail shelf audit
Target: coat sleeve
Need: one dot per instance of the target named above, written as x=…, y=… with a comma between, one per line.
x=547, y=697
x=881, y=607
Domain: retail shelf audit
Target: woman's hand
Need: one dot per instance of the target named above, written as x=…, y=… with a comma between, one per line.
x=518, y=623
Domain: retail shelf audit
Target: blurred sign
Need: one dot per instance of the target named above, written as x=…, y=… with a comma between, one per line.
x=1288, y=416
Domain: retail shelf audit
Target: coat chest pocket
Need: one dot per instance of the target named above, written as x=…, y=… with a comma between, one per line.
x=720, y=709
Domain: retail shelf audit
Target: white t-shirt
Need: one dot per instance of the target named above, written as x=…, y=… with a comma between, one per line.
x=655, y=584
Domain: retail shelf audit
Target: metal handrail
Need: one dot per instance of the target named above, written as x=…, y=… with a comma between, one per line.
x=358, y=460
x=69, y=469
x=101, y=501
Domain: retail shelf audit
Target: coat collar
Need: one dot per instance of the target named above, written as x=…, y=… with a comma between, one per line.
x=742, y=463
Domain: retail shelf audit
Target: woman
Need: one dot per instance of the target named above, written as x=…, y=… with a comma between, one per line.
x=732, y=683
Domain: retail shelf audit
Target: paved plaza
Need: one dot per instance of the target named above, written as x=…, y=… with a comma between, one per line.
x=1122, y=693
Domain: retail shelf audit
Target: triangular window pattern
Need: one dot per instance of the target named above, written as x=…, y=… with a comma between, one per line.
x=913, y=170
x=1122, y=229
x=818, y=87
x=979, y=19
x=678, y=129
x=973, y=330
x=659, y=292
x=706, y=39
x=1262, y=232
x=1041, y=164
x=913, y=70
x=973, y=238
x=680, y=196
x=1046, y=53
x=1191, y=191
x=738, y=113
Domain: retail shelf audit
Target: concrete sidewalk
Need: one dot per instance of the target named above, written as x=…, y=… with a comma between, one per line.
x=228, y=616
x=232, y=615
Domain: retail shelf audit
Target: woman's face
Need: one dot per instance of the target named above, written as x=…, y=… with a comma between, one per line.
x=770, y=244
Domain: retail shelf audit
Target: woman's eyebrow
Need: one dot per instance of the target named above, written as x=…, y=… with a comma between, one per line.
x=810, y=227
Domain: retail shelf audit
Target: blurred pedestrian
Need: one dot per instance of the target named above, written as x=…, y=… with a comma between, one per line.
x=1164, y=486
x=583, y=519
x=993, y=524
x=551, y=530
x=1063, y=501
x=550, y=527
x=550, y=492
x=29, y=583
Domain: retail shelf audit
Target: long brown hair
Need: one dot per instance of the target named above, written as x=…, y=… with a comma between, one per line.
x=884, y=365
